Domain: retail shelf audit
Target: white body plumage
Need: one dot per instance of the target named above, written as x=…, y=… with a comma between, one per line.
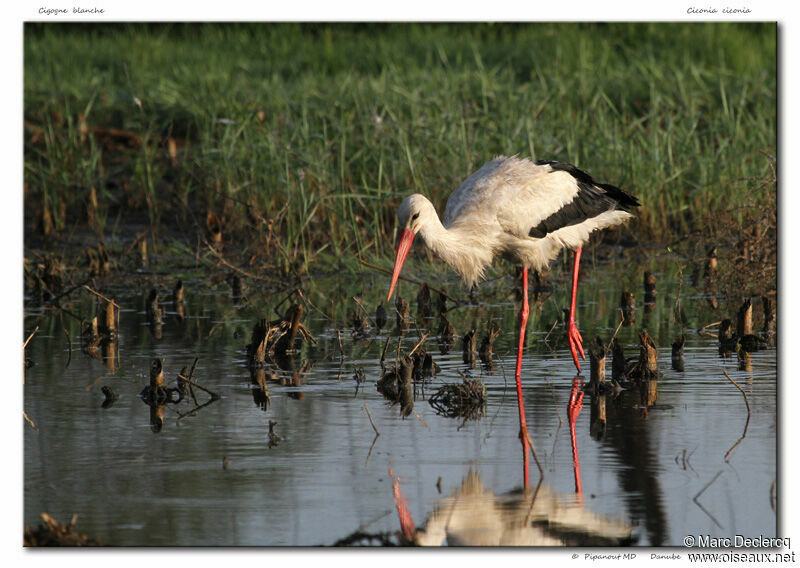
x=513, y=208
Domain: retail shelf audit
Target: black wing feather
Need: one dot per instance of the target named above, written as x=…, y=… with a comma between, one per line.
x=591, y=200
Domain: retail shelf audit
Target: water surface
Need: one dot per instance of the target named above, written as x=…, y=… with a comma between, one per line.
x=214, y=478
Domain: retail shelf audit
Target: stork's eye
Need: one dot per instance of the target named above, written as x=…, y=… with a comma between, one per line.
x=414, y=216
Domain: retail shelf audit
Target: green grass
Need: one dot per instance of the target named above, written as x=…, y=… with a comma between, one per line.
x=323, y=129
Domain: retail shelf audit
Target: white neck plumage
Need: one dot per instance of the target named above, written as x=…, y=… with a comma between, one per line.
x=457, y=248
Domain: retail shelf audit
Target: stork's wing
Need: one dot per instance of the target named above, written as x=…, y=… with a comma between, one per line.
x=470, y=202
x=529, y=199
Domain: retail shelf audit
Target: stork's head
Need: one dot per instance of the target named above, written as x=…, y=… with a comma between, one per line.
x=414, y=213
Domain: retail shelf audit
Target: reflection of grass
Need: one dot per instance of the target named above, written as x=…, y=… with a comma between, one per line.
x=321, y=130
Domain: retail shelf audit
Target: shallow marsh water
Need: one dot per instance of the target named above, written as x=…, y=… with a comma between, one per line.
x=214, y=478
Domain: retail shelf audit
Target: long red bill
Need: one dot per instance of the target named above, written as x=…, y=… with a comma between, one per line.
x=402, y=251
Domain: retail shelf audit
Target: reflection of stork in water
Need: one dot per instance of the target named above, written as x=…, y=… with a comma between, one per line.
x=475, y=516
x=573, y=410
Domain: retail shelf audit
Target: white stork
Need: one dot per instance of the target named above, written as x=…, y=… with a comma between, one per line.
x=520, y=210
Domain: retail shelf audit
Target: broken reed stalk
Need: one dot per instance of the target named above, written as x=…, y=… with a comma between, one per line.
x=648, y=355
x=156, y=374
x=627, y=305
x=649, y=287
x=769, y=314
x=143, y=252
x=286, y=342
x=470, y=346
x=407, y=279
x=487, y=346
x=360, y=324
x=744, y=320
x=369, y=415
x=746, y=403
x=446, y=329
x=598, y=417
x=110, y=319
x=92, y=334
x=297, y=313
x=257, y=349
x=178, y=292
x=597, y=361
x=154, y=311
x=725, y=334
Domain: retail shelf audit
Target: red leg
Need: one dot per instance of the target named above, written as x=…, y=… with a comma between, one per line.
x=573, y=411
x=573, y=335
x=523, y=428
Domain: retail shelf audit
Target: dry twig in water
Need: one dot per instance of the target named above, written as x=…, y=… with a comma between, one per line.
x=555, y=323
x=99, y=295
x=369, y=415
x=24, y=345
x=236, y=268
x=702, y=330
x=747, y=404
x=29, y=421
x=619, y=325
x=696, y=497
x=214, y=396
x=421, y=339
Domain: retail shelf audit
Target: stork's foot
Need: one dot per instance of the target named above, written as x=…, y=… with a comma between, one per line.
x=575, y=343
x=575, y=402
